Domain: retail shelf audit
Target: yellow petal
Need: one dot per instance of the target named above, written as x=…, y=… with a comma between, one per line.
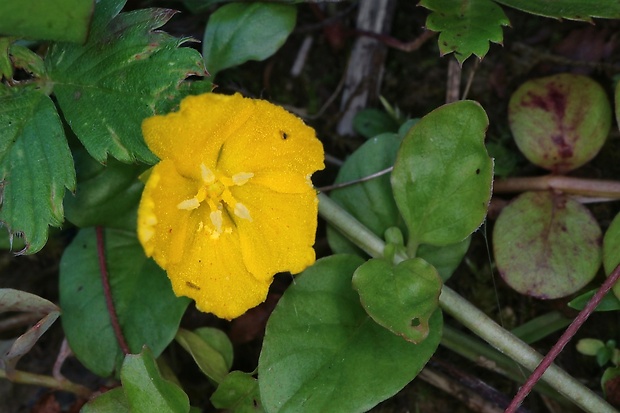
x=282, y=231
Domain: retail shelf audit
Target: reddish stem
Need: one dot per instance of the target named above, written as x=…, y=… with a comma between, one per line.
x=568, y=334
x=107, y=292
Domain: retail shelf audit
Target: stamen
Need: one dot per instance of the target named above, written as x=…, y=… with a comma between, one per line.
x=242, y=212
x=241, y=178
x=151, y=220
x=208, y=177
x=217, y=220
x=189, y=204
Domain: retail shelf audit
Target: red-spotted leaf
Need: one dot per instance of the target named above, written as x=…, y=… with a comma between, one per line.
x=125, y=72
x=401, y=297
x=35, y=165
x=560, y=122
x=546, y=245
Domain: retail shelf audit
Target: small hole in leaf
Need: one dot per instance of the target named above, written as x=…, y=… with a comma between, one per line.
x=415, y=322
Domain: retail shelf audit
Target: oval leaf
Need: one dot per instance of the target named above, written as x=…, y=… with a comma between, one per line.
x=237, y=33
x=113, y=401
x=322, y=352
x=611, y=250
x=147, y=309
x=401, y=298
x=238, y=393
x=560, y=122
x=442, y=175
x=208, y=359
x=146, y=390
x=546, y=245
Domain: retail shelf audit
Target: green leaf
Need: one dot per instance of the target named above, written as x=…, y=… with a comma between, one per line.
x=546, y=245
x=567, y=9
x=401, y=297
x=370, y=202
x=146, y=390
x=219, y=341
x=611, y=251
x=147, y=309
x=549, y=124
x=238, y=393
x=372, y=122
x=610, y=381
x=14, y=300
x=210, y=361
x=59, y=20
x=106, y=195
x=322, y=352
x=112, y=401
x=609, y=302
x=444, y=259
x=237, y=33
x=35, y=164
x=127, y=71
x=442, y=175
x=466, y=26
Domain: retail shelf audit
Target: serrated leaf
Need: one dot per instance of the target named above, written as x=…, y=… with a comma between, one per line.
x=237, y=33
x=112, y=401
x=127, y=71
x=611, y=251
x=35, y=165
x=546, y=245
x=15, y=300
x=466, y=26
x=238, y=393
x=59, y=20
x=322, y=352
x=401, y=297
x=442, y=175
x=147, y=309
x=106, y=195
x=146, y=390
x=567, y=9
x=208, y=359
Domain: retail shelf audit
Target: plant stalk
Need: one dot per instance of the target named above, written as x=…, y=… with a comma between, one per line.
x=469, y=315
x=596, y=188
x=24, y=377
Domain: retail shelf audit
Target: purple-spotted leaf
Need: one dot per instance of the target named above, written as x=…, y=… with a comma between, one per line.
x=560, y=122
x=238, y=393
x=442, y=175
x=401, y=297
x=35, y=165
x=466, y=26
x=15, y=300
x=125, y=72
x=611, y=250
x=546, y=245
x=323, y=353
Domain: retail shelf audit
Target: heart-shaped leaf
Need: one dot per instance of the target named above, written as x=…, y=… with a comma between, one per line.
x=401, y=297
x=560, y=122
x=546, y=245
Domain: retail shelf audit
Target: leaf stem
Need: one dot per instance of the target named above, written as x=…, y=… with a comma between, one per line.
x=23, y=377
x=469, y=315
x=597, y=188
x=107, y=292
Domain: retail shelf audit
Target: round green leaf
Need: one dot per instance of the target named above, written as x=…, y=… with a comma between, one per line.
x=611, y=250
x=238, y=393
x=560, y=122
x=147, y=309
x=442, y=175
x=370, y=202
x=401, y=297
x=546, y=245
x=322, y=352
x=146, y=390
x=237, y=33
x=113, y=401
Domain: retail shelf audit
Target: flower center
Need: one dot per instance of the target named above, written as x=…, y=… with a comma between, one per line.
x=215, y=192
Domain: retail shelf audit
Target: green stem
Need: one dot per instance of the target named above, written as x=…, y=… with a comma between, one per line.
x=24, y=377
x=469, y=315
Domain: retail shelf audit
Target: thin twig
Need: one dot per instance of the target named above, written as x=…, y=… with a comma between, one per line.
x=107, y=292
x=563, y=340
x=594, y=188
x=23, y=377
x=356, y=181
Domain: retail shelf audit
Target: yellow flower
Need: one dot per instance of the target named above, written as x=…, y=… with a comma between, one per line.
x=231, y=202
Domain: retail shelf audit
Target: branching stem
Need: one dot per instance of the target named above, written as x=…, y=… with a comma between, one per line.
x=469, y=315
